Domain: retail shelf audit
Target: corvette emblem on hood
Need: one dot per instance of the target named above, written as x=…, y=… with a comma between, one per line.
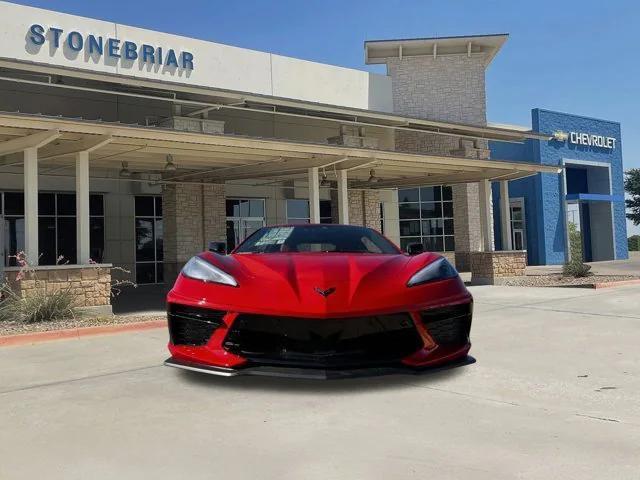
x=325, y=293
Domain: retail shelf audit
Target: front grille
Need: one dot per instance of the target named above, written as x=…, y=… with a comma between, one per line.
x=323, y=342
x=192, y=325
x=449, y=326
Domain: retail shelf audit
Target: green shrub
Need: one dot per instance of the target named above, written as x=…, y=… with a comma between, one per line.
x=38, y=306
x=634, y=243
x=576, y=269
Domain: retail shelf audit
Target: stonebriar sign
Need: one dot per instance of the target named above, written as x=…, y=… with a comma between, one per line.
x=111, y=47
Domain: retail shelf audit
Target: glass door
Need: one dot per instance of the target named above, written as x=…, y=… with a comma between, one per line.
x=518, y=229
x=244, y=216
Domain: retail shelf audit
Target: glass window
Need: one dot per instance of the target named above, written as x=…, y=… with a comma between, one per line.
x=431, y=210
x=66, y=203
x=449, y=244
x=430, y=194
x=46, y=204
x=66, y=237
x=14, y=238
x=408, y=195
x=56, y=226
x=409, y=228
x=325, y=211
x=145, y=206
x=409, y=211
x=426, y=216
x=149, y=232
x=240, y=224
x=145, y=249
x=432, y=227
x=47, y=240
x=158, y=205
x=13, y=203
x=96, y=205
x=96, y=234
x=297, y=209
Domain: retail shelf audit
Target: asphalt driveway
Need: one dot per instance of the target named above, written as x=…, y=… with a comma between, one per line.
x=555, y=394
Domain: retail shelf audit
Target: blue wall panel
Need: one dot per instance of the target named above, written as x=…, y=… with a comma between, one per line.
x=546, y=237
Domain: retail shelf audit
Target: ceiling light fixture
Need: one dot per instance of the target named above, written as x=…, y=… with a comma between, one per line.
x=170, y=166
x=324, y=182
x=372, y=176
x=124, y=171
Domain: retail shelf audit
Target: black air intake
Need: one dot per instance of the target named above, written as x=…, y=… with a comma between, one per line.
x=192, y=325
x=323, y=342
x=449, y=326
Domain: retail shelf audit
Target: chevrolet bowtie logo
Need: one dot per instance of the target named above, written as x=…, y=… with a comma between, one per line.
x=325, y=293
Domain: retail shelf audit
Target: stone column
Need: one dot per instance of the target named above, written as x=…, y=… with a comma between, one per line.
x=448, y=88
x=193, y=215
x=364, y=208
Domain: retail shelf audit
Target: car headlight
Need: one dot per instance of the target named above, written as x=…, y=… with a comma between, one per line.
x=200, y=269
x=441, y=269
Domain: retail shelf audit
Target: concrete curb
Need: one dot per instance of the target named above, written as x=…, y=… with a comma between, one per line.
x=39, y=337
x=620, y=283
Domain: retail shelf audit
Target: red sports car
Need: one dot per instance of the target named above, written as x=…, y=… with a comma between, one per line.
x=318, y=301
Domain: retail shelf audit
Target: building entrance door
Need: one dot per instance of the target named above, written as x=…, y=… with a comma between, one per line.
x=518, y=228
x=244, y=216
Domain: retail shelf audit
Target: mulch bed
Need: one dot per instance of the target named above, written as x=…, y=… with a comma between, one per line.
x=556, y=280
x=16, y=328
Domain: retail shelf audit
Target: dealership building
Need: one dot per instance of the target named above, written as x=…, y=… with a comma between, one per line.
x=134, y=148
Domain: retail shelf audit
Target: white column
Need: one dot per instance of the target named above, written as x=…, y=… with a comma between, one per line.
x=505, y=215
x=31, y=205
x=486, y=223
x=82, y=207
x=343, y=198
x=314, y=195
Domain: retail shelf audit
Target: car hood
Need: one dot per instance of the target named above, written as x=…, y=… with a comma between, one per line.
x=320, y=284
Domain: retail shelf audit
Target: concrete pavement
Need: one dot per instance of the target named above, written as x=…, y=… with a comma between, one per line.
x=555, y=394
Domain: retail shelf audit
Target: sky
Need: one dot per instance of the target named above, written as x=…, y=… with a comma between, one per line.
x=576, y=56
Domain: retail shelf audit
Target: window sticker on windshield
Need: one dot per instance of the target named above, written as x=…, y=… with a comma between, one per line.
x=275, y=236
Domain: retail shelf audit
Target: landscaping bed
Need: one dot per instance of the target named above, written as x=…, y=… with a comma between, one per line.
x=17, y=328
x=558, y=280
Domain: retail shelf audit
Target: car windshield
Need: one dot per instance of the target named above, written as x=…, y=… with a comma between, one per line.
x=317, y=239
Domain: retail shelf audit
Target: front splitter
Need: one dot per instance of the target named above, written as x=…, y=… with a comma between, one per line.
x=315, y=373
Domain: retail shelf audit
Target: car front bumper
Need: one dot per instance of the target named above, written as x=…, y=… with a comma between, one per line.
x=315, y=373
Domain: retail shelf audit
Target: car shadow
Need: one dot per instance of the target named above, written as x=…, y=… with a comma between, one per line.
x=359, y=385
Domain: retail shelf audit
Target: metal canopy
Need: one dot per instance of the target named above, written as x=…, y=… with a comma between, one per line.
x=197, y=100
x=219, y=158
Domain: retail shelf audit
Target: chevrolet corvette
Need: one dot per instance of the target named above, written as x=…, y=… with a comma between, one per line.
x=318, y=301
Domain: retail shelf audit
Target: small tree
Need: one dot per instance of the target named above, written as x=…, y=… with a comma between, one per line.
x=575, y=267
x=632, y=186
x=575, y=243
x=634, y=243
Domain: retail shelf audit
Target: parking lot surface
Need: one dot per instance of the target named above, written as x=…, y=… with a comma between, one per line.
x=555, y=393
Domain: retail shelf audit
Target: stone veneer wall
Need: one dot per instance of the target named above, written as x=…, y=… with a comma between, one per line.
x=448, y=88
x=90, y=284
x=490, y=267
x=364, y=208
x=193, y=215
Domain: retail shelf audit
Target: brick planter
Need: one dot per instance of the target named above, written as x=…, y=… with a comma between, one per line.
x=490, y=268
x=90, y=284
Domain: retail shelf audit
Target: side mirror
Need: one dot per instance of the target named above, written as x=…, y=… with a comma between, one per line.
x=415, y=248
x=218, y=247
